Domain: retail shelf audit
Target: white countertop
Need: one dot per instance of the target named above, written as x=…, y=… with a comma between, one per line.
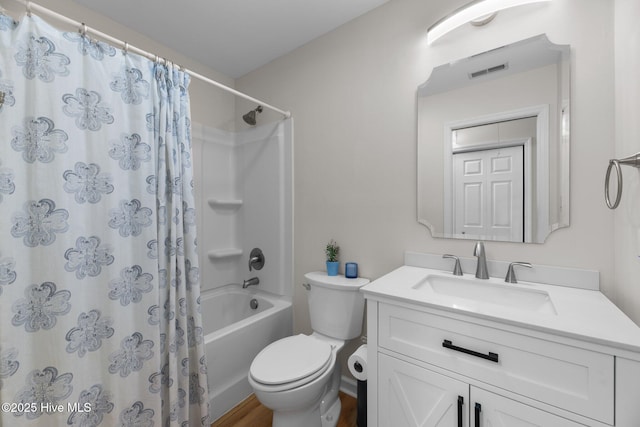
x=583, y=314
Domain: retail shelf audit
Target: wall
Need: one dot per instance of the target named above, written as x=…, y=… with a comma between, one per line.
x=352, y=93
x=627, y=108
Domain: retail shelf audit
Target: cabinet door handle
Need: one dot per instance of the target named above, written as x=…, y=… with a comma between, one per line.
x=491, y=356
x=460, y=403
x=478, y=410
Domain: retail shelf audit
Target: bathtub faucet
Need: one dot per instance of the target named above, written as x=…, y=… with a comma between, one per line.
x=251, y=282
x=256, y=259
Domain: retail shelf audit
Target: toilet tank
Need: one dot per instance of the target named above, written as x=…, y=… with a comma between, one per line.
x=336, y=305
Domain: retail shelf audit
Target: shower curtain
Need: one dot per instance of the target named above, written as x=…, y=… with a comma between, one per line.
x=99, y=283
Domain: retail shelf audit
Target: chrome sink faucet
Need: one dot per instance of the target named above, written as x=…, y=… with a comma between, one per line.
x=457, y=270
x=250, y=282
x=511, y=275
x=481, y=268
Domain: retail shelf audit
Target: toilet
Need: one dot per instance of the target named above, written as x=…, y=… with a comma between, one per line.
x=297, y=377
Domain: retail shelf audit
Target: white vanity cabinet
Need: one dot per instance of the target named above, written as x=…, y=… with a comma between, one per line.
x=491, y=409
x=442, y=366
x=411, y=395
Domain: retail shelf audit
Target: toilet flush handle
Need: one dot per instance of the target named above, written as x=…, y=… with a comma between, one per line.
x=306, y=286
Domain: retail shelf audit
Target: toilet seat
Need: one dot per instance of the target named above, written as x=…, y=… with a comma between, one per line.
x=291, y=362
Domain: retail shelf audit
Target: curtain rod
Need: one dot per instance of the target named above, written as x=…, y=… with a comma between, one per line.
x=30, y=6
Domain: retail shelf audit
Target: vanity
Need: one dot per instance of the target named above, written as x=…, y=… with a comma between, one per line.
x=446, y=350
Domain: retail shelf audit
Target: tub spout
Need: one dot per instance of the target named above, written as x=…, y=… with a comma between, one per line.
x=250, y=282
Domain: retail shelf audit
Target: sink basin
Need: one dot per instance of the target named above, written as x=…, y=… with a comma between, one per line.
x=470, y=292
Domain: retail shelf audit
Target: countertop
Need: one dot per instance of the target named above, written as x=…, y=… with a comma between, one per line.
x=587, y=315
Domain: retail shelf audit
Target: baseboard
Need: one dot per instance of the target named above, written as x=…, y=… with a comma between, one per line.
x=349, y=386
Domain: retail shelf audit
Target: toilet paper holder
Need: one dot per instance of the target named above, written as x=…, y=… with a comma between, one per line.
x=358, y=363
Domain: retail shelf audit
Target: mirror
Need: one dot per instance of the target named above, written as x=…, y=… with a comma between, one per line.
x=493, y=144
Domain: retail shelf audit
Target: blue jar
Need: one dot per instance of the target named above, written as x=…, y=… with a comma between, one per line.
x=351, y=270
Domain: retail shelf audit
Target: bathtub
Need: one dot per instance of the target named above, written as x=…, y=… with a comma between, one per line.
x=234, y=334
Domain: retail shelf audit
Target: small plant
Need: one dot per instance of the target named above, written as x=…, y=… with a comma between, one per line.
x=332, y=251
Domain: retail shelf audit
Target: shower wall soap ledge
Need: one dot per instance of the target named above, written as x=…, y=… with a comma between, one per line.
x=224, y=253
x=225, y=203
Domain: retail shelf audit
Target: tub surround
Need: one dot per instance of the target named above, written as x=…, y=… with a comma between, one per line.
x=574, y=364
x=243, y=182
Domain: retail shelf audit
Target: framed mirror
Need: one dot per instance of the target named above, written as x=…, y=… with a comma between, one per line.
x=493, y=144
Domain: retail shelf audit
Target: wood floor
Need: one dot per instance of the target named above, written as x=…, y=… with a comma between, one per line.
x=251, y=413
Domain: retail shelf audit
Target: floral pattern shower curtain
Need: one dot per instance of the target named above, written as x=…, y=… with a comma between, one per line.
x=99, y=283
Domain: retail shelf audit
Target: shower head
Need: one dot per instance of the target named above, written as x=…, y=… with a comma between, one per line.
x=250, y=117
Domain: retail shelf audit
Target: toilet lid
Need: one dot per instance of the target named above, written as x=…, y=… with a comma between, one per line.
x=290, y=359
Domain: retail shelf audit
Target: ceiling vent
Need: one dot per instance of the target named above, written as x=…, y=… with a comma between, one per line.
x=489, y=70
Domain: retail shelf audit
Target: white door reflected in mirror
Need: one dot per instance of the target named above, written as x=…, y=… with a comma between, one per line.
x=489, y=197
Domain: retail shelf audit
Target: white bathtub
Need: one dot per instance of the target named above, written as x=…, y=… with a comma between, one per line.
x=234, y=334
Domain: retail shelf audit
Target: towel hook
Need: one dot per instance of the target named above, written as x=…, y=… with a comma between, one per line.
x=634, y=161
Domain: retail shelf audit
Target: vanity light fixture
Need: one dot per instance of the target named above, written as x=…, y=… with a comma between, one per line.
x=480, y=11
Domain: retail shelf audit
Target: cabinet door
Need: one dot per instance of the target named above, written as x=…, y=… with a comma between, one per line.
x=498, y=411
x=409, y=395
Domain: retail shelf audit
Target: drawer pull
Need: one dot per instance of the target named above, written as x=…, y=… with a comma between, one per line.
x=478, y=410
x=491, y=356
x=460, y=403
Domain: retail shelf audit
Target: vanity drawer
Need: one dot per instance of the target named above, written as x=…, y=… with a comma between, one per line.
x=567, y=377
